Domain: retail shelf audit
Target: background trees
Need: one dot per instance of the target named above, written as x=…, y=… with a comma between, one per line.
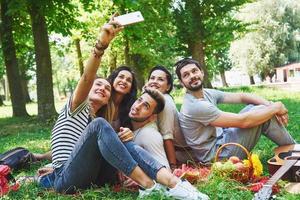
x=272, y=38
x=53, y=38
x=204, y=26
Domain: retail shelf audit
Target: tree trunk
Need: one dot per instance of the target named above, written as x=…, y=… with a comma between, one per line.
x=136, y=59
x=46, y=108
x=2, y=82
x=252, y=82
x=197, y=50
x=2, y=97
x=1, y=101
x=11, y=63
x=79, y=56
x=24, y=82
x=126, y=51
x=223, y=78
x=112, y=61
x=7, y=98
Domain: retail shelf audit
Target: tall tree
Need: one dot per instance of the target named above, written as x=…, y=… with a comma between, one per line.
x=198, y=22
x=11, y=63
x=46, y=107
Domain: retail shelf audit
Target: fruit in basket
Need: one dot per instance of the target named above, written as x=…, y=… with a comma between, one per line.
x=234, y=159
x=240, y=166
x=228, y=166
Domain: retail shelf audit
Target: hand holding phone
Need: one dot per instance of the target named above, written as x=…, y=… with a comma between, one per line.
x=130, y=18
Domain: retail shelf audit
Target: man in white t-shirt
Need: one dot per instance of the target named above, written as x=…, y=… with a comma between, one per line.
x=143, y=115
x=206, y=127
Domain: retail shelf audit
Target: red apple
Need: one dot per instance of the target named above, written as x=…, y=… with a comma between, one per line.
x=239, y=166
x=234, y=159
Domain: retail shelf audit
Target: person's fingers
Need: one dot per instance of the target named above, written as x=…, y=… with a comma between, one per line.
x=278, y=118
x=115, y=24
x=127, y=139
x=122, y=133
x=285, y=119
x=113, y=17
x=125, y=135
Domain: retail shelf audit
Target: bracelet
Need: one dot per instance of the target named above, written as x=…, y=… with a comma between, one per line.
x=97, y=53
x=172, y=165
x=99, y=46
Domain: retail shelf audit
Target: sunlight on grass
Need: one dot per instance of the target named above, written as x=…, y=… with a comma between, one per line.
x=6, y=111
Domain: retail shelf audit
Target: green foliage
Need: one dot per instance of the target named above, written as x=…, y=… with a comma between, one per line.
x=273, y=39
x=211, y=23
x=152, y=41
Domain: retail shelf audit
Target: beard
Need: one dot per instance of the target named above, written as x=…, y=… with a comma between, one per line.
x=194, y=88
x=138, y=119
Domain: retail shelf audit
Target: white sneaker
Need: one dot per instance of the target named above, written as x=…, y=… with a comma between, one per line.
x=155, y=188
x=185, y=191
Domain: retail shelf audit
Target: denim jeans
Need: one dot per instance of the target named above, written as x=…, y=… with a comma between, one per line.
x=97, y=156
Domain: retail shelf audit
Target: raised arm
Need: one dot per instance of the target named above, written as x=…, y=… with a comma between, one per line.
x=107, y=33
x=245, y=98
x=251, y=118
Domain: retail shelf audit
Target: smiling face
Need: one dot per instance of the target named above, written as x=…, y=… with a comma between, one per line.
x=158, y=80
x=143, y=108
x=100, y=91
x=192, y=77
x=123, y=82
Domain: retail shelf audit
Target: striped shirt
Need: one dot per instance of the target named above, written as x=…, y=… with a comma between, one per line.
x=67, y=131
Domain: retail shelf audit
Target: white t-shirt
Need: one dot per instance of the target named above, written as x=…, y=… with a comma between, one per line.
x=151, y=140
x=168, y=123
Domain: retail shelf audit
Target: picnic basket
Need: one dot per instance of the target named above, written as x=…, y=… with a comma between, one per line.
x=244, y=175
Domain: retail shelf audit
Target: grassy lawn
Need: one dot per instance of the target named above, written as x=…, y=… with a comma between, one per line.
x=34, y=135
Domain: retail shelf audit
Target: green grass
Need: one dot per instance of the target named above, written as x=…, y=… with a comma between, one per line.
x=35, y=135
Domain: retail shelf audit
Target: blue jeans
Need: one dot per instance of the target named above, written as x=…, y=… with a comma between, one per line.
x=97, y=156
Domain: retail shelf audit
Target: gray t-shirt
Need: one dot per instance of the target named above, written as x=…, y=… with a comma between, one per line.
x=195, y=117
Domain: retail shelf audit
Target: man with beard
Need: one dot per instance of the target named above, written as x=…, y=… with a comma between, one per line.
x=206, y=127
x=143, y=115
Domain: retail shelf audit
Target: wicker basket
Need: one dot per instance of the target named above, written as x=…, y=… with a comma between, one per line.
x=244, y=175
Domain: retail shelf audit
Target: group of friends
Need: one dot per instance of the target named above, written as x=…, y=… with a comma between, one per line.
x=104, y=128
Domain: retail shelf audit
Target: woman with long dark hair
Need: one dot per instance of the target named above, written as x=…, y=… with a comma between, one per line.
x=124, y=91
x=161, y=79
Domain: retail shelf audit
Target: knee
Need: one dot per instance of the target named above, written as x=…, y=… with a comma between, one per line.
x=99, y=123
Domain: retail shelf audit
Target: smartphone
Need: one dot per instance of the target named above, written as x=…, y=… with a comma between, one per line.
x=130, y=18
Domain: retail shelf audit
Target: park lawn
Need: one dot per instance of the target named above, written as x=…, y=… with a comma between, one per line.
x=34, y=135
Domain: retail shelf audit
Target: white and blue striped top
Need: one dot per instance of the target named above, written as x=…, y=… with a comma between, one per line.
x=67, y=131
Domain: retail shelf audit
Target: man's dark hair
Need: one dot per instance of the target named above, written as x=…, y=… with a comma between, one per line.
x=168, y=75
x=158, y=97
x=186, y=61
